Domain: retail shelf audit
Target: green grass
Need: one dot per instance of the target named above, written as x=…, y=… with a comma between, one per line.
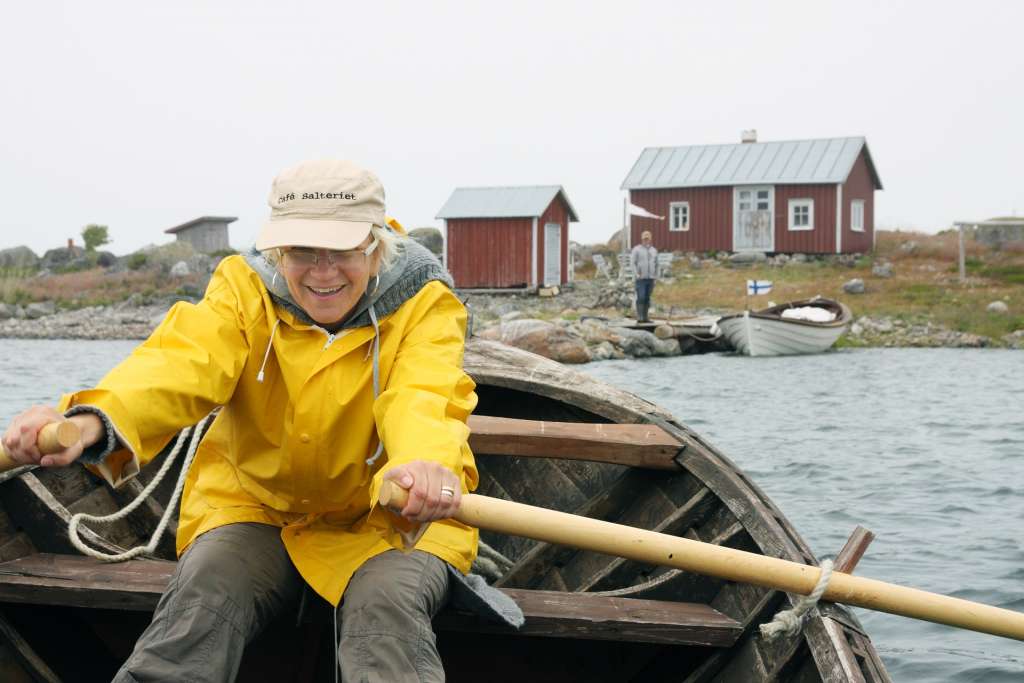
x=1011, y=274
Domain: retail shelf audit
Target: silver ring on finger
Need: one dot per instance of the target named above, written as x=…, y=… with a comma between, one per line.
x=447, y=491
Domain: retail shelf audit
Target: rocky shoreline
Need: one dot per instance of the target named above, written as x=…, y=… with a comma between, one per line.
x=583, y=323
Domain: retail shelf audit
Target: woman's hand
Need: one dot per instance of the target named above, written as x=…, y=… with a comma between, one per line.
x=434, y=490
x=20, y=438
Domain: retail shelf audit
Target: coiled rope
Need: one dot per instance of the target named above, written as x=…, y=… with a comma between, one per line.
x=789, y=622
x=150, y=547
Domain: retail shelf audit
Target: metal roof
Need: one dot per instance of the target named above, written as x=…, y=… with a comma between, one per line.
x=201, y=219
x=796, y=162
x=525, y=201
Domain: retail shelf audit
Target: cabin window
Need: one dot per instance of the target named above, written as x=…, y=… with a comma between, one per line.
x=857, y=215
x=801, y=214
x=762, y=200
x=680, y=213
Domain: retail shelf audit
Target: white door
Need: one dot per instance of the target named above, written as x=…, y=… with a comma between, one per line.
x=552, y=254
x=753, y=219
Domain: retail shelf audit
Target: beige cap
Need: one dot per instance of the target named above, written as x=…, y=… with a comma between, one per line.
x=327, y=204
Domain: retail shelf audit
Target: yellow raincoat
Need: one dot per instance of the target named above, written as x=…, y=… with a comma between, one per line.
x=291, y=450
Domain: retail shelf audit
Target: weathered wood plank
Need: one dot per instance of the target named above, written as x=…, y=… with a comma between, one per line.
x=40, y=515
x=853, y=550
x=635, y=445
x=78, y=581
x=619, y=570
x=497, y=365
x=136, y=585
x=583, y=615
x=530, y=567
x=100, y=503
x=18, y=545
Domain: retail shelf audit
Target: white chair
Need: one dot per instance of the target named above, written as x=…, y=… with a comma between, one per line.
x=625, y=267
x=665, y=264
x=603, y=267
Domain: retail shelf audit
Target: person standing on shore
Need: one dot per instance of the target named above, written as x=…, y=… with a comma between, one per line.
x=334, y=355
x=644, y=259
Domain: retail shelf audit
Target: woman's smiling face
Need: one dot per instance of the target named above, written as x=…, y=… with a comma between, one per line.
x=327, y=284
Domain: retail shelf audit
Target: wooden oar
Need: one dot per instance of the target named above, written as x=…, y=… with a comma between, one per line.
x=52, y=438
x=651, y=547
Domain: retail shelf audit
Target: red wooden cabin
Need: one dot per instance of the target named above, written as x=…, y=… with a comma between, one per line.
x=508, y=237
x=808, y=196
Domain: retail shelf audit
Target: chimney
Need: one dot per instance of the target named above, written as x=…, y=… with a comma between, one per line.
x=71, y=243
x=748, y=136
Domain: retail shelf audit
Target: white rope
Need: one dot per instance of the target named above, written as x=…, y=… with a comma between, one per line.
x=789, y=622
x=150, y=547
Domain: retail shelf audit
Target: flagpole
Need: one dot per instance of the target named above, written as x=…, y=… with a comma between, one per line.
x=625, y=224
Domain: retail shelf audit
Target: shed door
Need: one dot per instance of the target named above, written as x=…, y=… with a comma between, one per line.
x=552, y=254
x=753, y=219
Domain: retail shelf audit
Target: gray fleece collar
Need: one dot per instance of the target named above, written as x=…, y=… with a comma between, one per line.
x=414, y=268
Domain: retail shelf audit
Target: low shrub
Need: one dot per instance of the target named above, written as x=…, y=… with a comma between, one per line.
x=137, y=260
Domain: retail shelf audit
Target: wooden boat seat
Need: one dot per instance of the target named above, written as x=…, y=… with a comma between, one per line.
x=635, y=445
x=78, y=581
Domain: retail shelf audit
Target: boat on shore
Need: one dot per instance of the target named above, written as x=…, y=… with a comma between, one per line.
x=543, y=435
x=796, y=327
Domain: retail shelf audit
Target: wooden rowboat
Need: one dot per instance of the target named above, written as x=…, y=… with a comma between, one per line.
x=543, y=435
x=769, y=332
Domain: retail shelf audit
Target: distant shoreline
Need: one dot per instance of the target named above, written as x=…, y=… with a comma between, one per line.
x=127, y=321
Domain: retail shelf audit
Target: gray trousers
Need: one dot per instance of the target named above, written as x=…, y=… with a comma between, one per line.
x=236, y=579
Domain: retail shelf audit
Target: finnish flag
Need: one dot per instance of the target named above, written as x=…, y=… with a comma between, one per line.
x=758, y=286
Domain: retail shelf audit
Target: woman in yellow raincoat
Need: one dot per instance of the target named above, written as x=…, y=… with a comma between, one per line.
x=335, y=357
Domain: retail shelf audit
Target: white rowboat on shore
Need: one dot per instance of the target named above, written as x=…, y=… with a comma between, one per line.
x=769, y=332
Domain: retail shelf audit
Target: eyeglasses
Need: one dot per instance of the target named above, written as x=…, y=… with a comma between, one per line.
x=301, y=258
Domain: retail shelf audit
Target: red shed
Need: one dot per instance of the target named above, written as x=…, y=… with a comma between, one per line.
x=507, y=237
x=809, y=196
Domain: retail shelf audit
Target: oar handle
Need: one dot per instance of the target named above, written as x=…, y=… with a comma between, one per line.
x=394, y=497
x=52, y=438
x=641, y=545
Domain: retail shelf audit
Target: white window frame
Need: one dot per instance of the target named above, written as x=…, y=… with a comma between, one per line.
x=798, y=203
x=672, y=217
x=857, y=211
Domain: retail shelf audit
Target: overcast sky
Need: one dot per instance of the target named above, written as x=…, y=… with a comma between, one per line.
x=142, y=116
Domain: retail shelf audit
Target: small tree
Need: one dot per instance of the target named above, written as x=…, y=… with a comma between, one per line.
x=95, y=236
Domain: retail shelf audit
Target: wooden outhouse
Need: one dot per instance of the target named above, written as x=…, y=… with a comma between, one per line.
x=206, y=234
x=809, y=196
x=507, y=237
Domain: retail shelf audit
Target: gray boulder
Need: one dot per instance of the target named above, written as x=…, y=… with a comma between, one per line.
x=61, y=257
x=746, y=258
x=883, y=269
x=18, y=257
x=7, y=311
x=998, y=307
x=40, y=309
x=643, y=344
x=540, y=337
x=430, y=238
x=854, y=286
x=1014, y=340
